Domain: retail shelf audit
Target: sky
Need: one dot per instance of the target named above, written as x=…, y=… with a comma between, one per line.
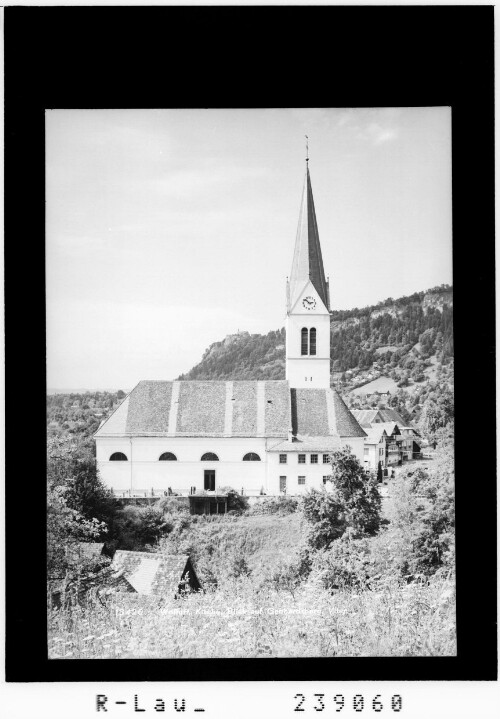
x=166, y=230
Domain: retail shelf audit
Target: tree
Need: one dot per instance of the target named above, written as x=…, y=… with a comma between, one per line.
x=356, y=491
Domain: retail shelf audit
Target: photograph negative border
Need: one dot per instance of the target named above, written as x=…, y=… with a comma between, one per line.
x=96, y=57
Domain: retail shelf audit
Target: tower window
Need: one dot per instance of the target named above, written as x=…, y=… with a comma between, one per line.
x=312, y=341
x=118, y=457
x=304, y=341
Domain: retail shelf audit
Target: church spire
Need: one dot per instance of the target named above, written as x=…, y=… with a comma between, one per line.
x=307, y=260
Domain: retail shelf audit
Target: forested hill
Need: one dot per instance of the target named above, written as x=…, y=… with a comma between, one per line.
x=402, y=333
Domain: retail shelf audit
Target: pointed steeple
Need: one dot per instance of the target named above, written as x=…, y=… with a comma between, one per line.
x=307, y=260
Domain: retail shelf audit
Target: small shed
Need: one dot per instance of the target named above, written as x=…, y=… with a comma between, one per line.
x=155, y=574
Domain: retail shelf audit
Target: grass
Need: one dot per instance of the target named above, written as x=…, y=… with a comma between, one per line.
x=235, y=621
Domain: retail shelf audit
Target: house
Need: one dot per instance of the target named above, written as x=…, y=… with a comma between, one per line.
x=159, y=574
x=394, y=443
x=409, y=441
x=269, y=437
x=375, y=451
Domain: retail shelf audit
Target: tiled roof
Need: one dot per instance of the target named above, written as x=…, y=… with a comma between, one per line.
x=389, y=427
x=390, y=415
x=365, y=416
x=230, y=409
x=150, y=573
x=311, y=412
x=307, y=260
x=374, y=434
x=346, y=423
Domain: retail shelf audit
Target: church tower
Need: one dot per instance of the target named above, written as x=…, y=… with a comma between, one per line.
x=308, y=304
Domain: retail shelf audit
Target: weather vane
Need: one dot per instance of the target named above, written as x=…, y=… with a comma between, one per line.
x=307, y=148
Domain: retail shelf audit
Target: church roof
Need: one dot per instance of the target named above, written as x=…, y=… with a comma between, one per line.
x=307, y=259
x=230, y=409
x=303, y=443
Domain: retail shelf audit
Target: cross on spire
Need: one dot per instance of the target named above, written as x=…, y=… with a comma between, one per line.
x=307, y=148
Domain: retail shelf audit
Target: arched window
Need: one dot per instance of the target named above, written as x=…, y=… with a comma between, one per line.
x=251, y=457
x=209, y=457
x=312, y=341
x=304, y=343
x=118, y=457
x=167, y=457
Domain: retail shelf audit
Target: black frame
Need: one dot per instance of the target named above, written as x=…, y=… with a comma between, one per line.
x=398, y=56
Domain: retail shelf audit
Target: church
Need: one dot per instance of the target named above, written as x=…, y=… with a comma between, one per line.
x=258, y=437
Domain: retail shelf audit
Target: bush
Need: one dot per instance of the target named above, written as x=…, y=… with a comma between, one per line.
x=356, y=491
x=235, y=502
x=326, y=517
x=345, y=565
x=276, y=505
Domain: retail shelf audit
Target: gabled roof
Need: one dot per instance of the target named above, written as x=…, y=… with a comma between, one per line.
x=390, y=428
x=375, y=434
x=390, y=415
x=149, y=573
x=307, y=259
x=230, y=409
x=365, y=417
x=203, y=409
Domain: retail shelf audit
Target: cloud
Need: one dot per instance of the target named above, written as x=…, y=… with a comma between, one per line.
x=378, y=134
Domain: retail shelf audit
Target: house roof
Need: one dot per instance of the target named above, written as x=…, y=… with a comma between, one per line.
x=374, y=434
x=230, y=409
x=365, y=417
x=149, y=573
x=390, y=415
x=390, y=428
x=307, y=259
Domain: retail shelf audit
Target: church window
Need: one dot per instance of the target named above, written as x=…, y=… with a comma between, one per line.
x=312, y=341
x=314, y=459
x=325, y=478
x=251, y=457
x=326, y=459
x=118, y=457
x=282, y=458
x=209, y=457
x=304, y=341
x=302, y=458
x=302, y=480
x=167, y=457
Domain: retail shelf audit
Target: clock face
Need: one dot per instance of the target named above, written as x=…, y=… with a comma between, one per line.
x=309, y=303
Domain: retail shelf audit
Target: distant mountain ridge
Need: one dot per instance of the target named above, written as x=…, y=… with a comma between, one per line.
x=409, y=330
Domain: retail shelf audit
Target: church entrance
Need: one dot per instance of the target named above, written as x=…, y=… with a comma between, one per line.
x=209, y=484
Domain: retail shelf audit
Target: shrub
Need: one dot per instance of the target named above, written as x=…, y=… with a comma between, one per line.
x=356, y=491
x=235, y=502
x=326, y=517
x=276, y=505
x=344, y=565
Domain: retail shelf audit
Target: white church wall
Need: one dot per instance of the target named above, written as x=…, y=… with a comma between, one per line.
x=143, y=471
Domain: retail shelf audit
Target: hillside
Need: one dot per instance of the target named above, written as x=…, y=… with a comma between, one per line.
x=403, y=333
x=403, y=344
